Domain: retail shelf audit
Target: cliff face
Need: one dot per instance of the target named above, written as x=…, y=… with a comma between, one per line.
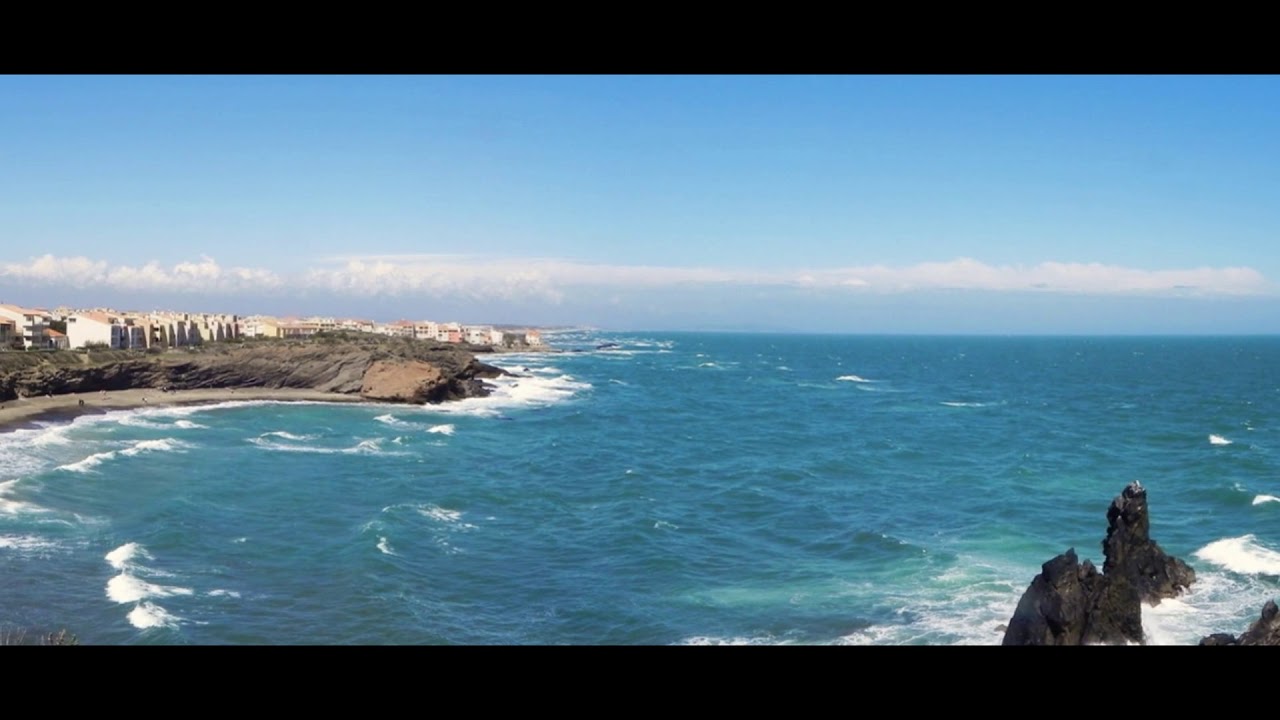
x=392, y=370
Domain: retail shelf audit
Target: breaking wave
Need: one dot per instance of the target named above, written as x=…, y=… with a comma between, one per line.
x=1242, y=555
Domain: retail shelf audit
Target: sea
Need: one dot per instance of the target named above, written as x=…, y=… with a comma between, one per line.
x=658, y=488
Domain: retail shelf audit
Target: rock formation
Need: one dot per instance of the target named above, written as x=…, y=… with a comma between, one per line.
x=387, y=369
x=1071, y=603
x=1131, y=552
x=1264, y=631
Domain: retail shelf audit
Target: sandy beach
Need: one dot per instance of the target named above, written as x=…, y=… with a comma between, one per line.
x=15, y=414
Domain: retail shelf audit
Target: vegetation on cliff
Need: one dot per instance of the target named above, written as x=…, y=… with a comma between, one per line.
x=409, y=370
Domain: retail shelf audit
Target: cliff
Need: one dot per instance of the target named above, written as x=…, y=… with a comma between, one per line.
x=376, y=368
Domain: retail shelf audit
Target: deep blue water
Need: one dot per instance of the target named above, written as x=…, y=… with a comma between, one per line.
x=682, y=488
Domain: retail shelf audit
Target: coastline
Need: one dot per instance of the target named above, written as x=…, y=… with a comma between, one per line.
x=25, y=412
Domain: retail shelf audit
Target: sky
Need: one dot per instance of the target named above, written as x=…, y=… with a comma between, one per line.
x=876, y=204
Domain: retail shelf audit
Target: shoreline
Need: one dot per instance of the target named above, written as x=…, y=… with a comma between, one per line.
x=26, y=412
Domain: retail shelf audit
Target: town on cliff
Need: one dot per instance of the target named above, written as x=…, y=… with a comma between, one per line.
x=64, y=328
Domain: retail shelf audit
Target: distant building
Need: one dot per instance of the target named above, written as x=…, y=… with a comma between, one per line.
x=28, y=324
x=57, y=340
x=8, y=336
x=95, y=328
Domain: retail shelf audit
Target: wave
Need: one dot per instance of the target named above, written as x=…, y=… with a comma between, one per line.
x=287, y=435
x=127, y=587
x=441, y=429
x=88, y=463
x=393, y=421
x=26, y=543
x=853, y=378
x=123, y=555
x=188, y=425
x=364, y=447
x=224, y=593
x=149, y=615
x=435, y=512
x=385, y=547
x=1218, y=440
x=1241, y=555
x=739, y=640
x=142, y=446
x=1260, y=499
x=15, y=507
x=510, y=393
x=964, y=404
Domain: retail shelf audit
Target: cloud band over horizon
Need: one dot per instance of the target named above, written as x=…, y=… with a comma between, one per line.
x=552, y=280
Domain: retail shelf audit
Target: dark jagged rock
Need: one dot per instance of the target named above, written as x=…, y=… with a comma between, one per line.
x=1264, y=631
x=430, y=372
x=1131, y=552
x=1071, y=603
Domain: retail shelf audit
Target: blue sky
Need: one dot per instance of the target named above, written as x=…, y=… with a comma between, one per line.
x=996, y=204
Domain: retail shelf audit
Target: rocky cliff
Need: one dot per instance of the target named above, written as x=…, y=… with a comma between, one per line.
x=393, y=370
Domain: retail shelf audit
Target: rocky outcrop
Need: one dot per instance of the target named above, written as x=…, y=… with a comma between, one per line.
x=1133, y=555
x=1071, y=603
x=1264, y=631
x=404, y=370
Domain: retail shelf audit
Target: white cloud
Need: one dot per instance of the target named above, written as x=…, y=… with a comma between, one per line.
x=204, y=276
x=550, y=280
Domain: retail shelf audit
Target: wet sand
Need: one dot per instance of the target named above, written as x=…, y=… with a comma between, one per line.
x=15, y=414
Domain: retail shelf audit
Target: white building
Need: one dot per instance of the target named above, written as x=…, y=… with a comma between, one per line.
x=97, y=328
x=29, y=324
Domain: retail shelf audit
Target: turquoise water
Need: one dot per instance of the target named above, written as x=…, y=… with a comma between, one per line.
x=681, y=488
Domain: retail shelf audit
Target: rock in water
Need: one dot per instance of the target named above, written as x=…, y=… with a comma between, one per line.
x=1071, y=603
x=1264, y=631
x=1131, y=552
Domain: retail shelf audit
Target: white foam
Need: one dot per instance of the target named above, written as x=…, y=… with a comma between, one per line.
x=142, y=446
x=394, y=421
x=121, y=556
x=287, y=435
x=1265, y=499
x=126, y=588
x=1218, y=601
x=964, y=404
x=663, y=524
x=52, y=436
x=188, y=425
x=1218, y=440
x=364, y=447
x=1242, y=555
x=26, y=543
x=88, y=463
x=385, y=546
x=546, y=370
x=15, y=507
x=435, y=512
x=512, y=393
x=854, y=378
x=147, y=446
x=149, y=615
x=224, y=593
x=708, y=364
x=441, y=429
x=739, y=640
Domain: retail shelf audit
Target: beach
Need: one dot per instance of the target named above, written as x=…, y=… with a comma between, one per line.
x=15, y=414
